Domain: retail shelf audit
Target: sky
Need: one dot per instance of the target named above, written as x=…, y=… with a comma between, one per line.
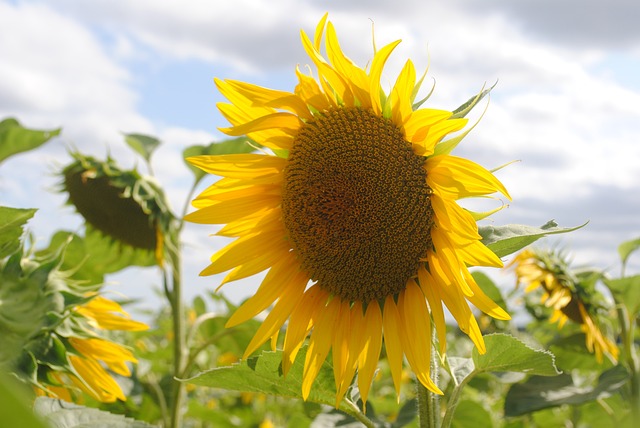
x=565, y=105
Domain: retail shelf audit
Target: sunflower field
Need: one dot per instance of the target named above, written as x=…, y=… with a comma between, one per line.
x=378, y=306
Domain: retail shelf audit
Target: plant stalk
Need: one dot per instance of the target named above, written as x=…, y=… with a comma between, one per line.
x=429, y=402
x=179, y=342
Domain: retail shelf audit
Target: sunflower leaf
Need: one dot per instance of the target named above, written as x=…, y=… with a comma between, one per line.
x=263, y=374
x=626, y=291
x=226, y=147
x=505, y=353
x=538, y=393
x=62, y=414
x=144, y=145
x=505, y=240
x=11, y=222
x=14, y=138
x=626, y=248
x=15, y=397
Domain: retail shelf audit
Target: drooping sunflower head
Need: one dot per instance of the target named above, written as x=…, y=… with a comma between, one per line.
x=355, y=215
x=563, y=292
x=123, y=205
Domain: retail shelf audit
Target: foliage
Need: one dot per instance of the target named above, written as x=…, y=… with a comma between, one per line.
x=189, y=367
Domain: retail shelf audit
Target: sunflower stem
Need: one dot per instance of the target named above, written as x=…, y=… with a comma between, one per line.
x=627, y=332
x=429, y=402
x=179, y=345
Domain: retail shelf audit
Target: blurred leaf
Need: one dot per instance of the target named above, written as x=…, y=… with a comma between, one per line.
x=505, y=353
x=11, y=222
x=226, y=147
x=15, y=410
x=626, y=248
x=571, y=353
x=461, y=367
x=62, y=414
x=542, y=392
x=626, y=291
x=490, y=289
x=263, y=374
x=505, y=240
x=95, y=255
x=15, y=139
x=406, y=415
x=145, y=145
x=471, y=414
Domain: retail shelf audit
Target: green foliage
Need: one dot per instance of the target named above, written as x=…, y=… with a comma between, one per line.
x=542, y=392
x=14, y=138
x=144, y=145
x=14, y=411
x=263, y=374
x=505, y=240
x=626, y=248
x=11, y=222
x=507, y=354
x=91, y=257
x=59, y=413
x=626, y=291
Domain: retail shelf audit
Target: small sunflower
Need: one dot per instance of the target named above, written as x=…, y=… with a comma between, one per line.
x=562, y=292
x=354, y=215
x=88, y=355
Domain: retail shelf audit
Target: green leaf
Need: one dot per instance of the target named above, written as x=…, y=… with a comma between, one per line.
x=505, y=240
x=542, y=392
x=14, y=138
x=226, y=147
x=626, y=248
x=145, y=145
x=471, y=414
x=15, y=410
x=490, y=289
x=94, y=255
x=505, y=353
x=62, y=414
x=571, y=353
x=11, y=222
x=626, y=291
x=263, y=374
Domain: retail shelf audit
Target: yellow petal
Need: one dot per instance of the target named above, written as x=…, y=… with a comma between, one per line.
x=372, y=338
x=283, y=277
x=289, y=298
x=302, y=319
x=430, y=289
x=400, y=96
x=416, y=334
x=221, y=212
x=452, y=218
x=379, y=60
x=285, y=122
x=391, y=331
x=319, y=345
x=457, y=178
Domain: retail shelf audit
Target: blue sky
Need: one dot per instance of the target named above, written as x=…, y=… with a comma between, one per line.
x=565, y=105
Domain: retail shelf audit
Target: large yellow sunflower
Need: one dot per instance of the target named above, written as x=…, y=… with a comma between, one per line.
x=354, y=215
x=564, y=295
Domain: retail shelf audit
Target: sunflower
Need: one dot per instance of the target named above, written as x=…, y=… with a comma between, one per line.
x=354, y=214
x=88, y=356
x=563, y=293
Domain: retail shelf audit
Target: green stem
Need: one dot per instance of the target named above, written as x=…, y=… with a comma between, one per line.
x=627, y=326
x=428, y=402
x=179, y=345
x=357, y=413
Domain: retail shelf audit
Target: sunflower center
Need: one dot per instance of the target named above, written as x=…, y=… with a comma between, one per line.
x=356, y=204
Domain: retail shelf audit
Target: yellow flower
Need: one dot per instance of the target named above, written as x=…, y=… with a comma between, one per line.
x=356, y=201
x=561, y=293
x=92, y=356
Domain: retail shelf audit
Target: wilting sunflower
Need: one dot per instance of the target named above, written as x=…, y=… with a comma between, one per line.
x=354, y=215
x=89, y=356
x=563, y=293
